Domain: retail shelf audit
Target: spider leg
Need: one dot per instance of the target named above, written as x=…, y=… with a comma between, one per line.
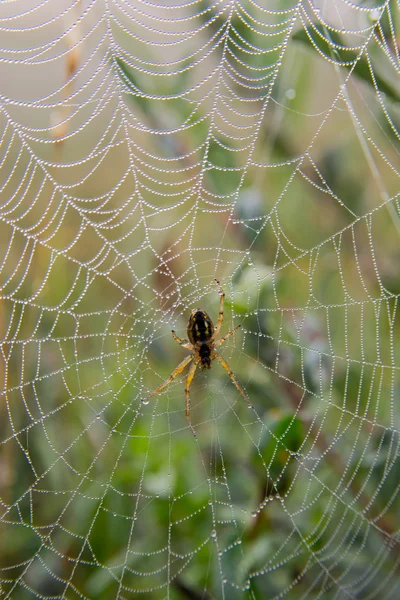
x=176, y=372
x=221, y=341
x=224, y=364
x=181, y=341
x=189, y=380
x=221, y=311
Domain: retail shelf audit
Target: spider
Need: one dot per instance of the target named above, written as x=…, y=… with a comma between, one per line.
x=202, y=334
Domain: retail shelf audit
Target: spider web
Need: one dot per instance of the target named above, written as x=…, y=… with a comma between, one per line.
x=147, y=148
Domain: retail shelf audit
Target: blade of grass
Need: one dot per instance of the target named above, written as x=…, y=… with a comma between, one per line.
x=314, y=36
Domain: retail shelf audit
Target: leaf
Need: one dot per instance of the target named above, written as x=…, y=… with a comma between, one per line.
x=286, y=435
x=128, y=78
x=315, y=37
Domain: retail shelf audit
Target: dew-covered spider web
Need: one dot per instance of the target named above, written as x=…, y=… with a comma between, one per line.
x=147, y=148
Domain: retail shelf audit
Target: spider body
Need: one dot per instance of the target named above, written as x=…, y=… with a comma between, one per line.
x=202, y=342
x=200, y=330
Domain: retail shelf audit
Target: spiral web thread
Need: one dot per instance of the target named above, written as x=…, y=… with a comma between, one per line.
x=147, y=148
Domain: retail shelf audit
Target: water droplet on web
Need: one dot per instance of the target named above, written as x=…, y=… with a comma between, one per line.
x=146, y=401
x=254, y=513
x=213, y=534
x=375, y=15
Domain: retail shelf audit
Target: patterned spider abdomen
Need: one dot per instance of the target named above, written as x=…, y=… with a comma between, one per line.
x=200, y=327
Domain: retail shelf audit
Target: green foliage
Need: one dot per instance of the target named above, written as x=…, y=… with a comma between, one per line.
x=330, y=45
x=265, y=495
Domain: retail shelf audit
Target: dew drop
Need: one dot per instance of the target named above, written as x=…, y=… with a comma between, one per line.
x=374, y=15
x=213, y=534
x=146, y=401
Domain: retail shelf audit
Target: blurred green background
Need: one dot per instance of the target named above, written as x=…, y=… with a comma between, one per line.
x=264, y=151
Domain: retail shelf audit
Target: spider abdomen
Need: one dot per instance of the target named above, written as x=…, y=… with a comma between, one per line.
x=200, y=327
